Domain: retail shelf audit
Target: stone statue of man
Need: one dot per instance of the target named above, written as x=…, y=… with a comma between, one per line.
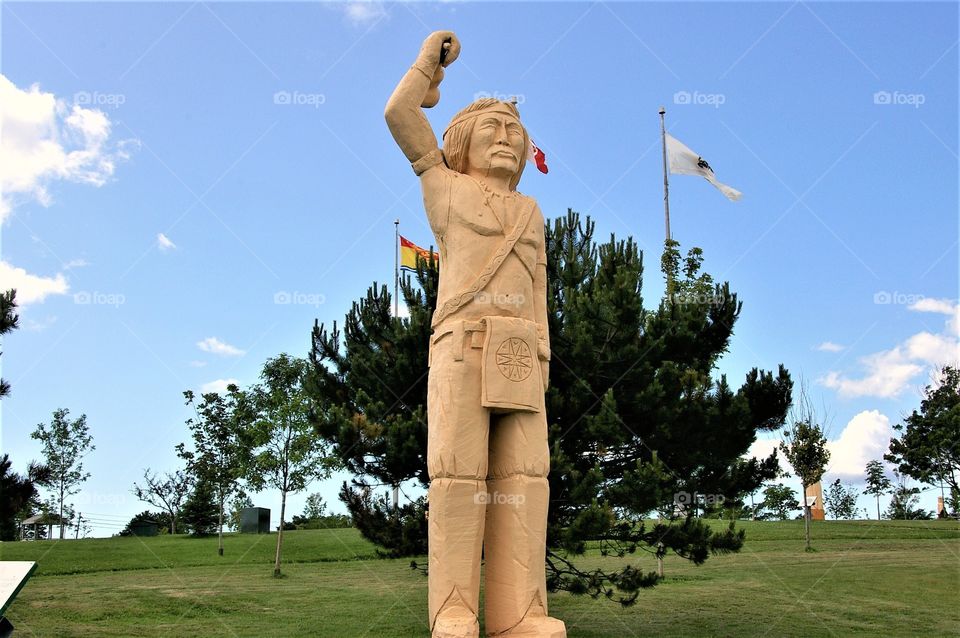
x=487, y=452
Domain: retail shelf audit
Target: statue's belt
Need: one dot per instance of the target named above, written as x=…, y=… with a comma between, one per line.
x=510, y=369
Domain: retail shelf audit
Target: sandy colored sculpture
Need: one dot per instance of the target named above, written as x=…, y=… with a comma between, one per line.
x=487, y=445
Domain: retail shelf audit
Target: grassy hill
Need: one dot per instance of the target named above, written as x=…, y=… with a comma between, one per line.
x=895, y=578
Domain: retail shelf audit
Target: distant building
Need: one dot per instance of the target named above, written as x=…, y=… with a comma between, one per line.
x=255, y=520
x=815, y=501
x=145, y=528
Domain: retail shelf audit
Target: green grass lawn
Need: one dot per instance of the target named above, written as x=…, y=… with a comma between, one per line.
x=866, y=578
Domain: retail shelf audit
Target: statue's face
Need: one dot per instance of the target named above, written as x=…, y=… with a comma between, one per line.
x=496, y=145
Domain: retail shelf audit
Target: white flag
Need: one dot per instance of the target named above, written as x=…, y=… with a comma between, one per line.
x=683, y=161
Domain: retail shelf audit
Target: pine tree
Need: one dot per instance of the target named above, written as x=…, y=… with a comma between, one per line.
x=200, y=514
x=370, y=381
x=637, y=423
x=19, y=496
x=8, y=321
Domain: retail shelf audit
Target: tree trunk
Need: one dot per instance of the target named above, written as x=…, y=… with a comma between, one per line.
x=173, y=523
x=806, y=516
x=220, y=531
x=878, y=507
x=61, y=511
x=283, y=511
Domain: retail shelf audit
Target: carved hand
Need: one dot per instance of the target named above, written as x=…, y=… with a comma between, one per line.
x=428, y=61
x=434, y=44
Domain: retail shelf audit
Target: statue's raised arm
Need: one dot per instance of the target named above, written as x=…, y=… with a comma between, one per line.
x=418, y=89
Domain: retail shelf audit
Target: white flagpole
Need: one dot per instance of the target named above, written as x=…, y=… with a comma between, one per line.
x=396, y=268
x=396, y=313
x=666, y=183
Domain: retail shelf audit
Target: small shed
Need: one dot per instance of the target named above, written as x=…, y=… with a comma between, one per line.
x=145, y=528
x=255, y=520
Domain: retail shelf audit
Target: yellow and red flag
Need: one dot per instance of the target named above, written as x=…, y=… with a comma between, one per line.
x=409, y=252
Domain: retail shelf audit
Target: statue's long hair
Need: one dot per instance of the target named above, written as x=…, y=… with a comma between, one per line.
x=456, y=140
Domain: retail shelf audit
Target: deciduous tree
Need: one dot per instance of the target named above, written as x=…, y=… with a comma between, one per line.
x=904, y=501
x=805, y=447
x=841, y=500
x=779, y=502
x=222, y=445
x=167, y=492
x=877, y=482
x=928, y=448
x=65, y=443
x=288, y=454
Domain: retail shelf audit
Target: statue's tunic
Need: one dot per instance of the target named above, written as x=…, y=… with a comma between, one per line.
x=470, y=222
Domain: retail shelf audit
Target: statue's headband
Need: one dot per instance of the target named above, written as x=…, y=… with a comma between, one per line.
x=499, y=107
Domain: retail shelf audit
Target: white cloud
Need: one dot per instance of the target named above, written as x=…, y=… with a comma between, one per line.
x=32, y=325
x=865, y=438
x=46, y=140
x=215, y=346
x=219, y=386
x=364, y=13
x=889, y=372
x=829, y=346
x=929, y=304
x=31, y=288
x=75, y=263
x=164, y=243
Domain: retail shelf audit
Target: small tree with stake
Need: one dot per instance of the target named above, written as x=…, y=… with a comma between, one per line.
x=288, y=454
x=65, y=442
x=877, y=482
x=221, y=445
x=805, y=447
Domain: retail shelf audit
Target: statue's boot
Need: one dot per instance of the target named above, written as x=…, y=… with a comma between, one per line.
x=456, y=520
x=515, y=591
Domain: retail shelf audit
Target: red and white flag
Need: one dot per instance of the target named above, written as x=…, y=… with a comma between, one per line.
x=535, y=155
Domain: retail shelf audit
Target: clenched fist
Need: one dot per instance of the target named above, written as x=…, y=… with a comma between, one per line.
x=439, y=50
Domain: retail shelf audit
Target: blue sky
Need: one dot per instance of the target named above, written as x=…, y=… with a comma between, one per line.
x=251, y=137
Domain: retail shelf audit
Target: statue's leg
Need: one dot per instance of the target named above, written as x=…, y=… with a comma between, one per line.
x=458, y=428
x=515, y=591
